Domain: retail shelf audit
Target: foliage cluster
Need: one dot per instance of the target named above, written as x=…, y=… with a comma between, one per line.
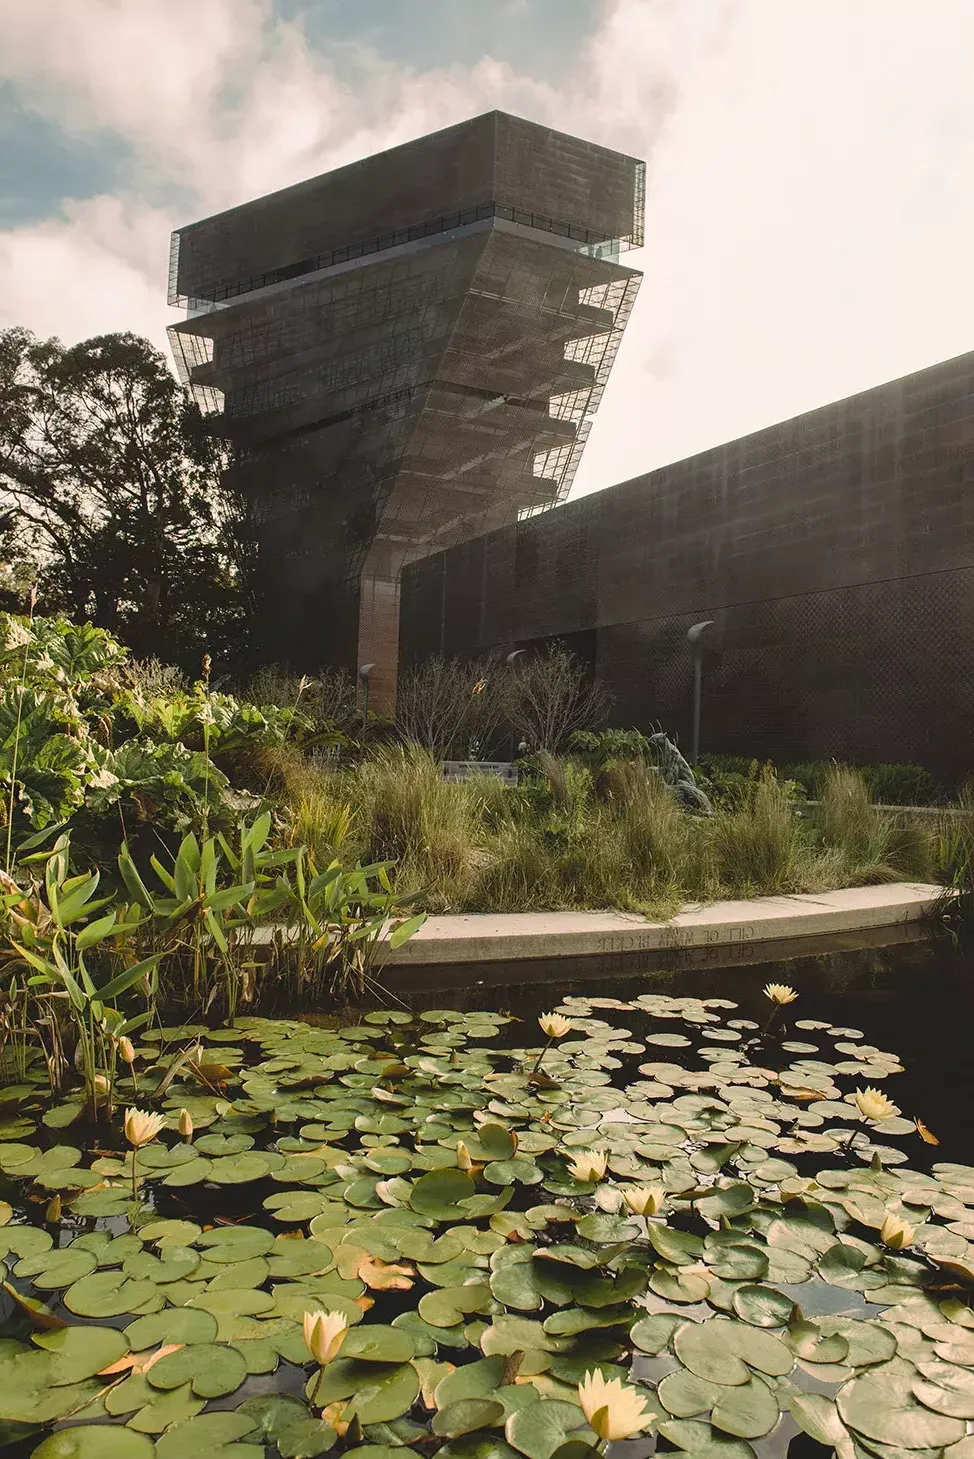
x=570, y=835
x=888, y=784
x=85, y=735
x=113, y=497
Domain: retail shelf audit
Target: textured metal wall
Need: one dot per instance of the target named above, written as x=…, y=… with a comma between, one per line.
x=395, y=402
x=835, y=553
x=491, y=158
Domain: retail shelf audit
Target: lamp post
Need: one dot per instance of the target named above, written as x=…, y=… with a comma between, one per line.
x=363, y=675
x=694, y=636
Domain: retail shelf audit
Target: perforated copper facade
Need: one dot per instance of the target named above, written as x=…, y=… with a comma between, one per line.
x=405, y=353
x=834, y=552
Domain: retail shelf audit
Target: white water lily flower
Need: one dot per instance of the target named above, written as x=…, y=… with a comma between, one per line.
x=141, y=1127
x=554, y=1025
x=644, y=1200
x=324, y=1333
x=589, y=1165
x=872, y=1104
x=612, y=1408
x=780, y=993
x=895, y=1233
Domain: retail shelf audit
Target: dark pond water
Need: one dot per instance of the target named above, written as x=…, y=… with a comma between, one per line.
x=911, y=999
x=914, y=998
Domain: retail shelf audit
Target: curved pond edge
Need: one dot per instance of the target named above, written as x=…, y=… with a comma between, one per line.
x=514, y=937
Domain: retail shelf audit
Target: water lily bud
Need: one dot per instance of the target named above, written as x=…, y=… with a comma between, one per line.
x=185, y=1124
x=142, y=1127
x=644, y=1200
x=895, y=1233
x=612, y=1408
x=554, y=1026
x=780, y=993
x=872, y=1104
x=324, y=1333
x=101, y=1084
x=126, y=1050
x=464, y=1161
x=53, y=1212
x=589, y=1165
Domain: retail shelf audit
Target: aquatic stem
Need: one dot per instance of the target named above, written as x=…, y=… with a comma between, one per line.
x=540, y=1057
x=21, y=690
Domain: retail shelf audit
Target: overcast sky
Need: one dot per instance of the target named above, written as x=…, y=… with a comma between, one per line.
x=810, y=197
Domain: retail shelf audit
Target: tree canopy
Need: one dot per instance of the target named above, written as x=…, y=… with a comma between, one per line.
x=110, y=490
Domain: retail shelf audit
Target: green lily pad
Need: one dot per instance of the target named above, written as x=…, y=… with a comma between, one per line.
x=684, y=1394
x=373, y=1343
x=27, y=1395
x=108, y=1294
x=96, y=1441
x=81, y=1352
x=176, y=1324
x=309, y=1437
x=465, y=1416
x=652, y=1334
x=212, y=1369
x=881, y=1406
x=379, y=1391
x=439, y=1191
x=749, y=1410
x=166, y=1409
x=217, y=1435
x=449, y=1305
x=709, y=1349
x=541, y=1428
x=763, y=1307
x=57, y=1268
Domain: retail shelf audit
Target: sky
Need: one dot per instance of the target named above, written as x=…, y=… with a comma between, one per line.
x=810, y=169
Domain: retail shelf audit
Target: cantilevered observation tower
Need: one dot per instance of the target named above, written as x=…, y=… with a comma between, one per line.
x=404, y=353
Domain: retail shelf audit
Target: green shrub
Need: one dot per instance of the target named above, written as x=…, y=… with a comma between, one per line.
x=598, y=747
x=757, y=848
x=873, y=845
x=411, y=815
x=902, y=785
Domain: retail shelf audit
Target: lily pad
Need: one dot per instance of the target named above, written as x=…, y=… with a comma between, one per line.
x=212, y=1369
x=541, y=1428
x=96, y=1441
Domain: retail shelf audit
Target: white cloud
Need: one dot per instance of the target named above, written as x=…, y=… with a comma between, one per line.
x=809, y=206
x=809, y=214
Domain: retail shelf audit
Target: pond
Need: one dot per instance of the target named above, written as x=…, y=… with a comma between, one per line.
x=680, y=1190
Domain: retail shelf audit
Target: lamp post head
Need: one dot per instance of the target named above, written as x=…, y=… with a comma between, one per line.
x=511, y=657
x=695, y=634
x=364, y=672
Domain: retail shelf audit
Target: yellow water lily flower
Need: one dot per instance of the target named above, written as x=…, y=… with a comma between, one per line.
x=614, y=1410
x=780, y=993
x=554, y=1025
x=644, y=1200
x=324, y=1333
x=589, y=1165
x=895, y=1233
x=141, y=1127
x=872, y=1104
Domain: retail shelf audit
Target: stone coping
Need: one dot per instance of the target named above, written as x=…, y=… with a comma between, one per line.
x=516, y=936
